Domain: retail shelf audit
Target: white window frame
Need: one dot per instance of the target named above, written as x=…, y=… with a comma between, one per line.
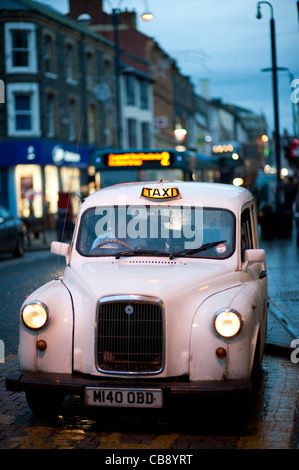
x=32, y=54
x=23, y=88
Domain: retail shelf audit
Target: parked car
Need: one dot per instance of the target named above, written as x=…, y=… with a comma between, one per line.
x=163, y=298
x=11, y=233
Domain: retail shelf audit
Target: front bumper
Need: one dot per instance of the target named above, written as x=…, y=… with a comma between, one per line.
x=173, y=389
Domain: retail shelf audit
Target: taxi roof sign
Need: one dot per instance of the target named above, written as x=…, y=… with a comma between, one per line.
x=160, y=193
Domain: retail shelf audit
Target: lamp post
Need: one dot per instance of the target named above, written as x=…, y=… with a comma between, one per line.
x=146, y=16
x=279, y=191
x=115, y=19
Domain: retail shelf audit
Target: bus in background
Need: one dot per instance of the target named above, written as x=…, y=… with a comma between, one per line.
x=118, y=166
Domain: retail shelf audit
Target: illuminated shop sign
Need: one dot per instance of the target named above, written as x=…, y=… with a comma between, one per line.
x=160, y=193
x=60, y=156
x=132, y=159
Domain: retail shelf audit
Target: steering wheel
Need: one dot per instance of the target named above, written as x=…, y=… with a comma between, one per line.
x=112, y=240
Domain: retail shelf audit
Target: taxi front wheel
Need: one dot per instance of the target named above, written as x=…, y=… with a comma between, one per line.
x=44, y=403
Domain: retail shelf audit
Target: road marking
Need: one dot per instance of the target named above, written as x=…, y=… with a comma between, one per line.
x=116, y=440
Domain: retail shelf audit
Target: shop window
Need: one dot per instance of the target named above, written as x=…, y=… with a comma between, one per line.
x=51, y=193
x=70, y=183
x=29, y=190
x=20, y=48
x=23, y=109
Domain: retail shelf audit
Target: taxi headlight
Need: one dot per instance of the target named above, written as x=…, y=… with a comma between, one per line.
x=228, y=322
x=35, y=315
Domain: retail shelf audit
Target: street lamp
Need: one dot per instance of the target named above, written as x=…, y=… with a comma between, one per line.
x=146, y=16
x=279, y=194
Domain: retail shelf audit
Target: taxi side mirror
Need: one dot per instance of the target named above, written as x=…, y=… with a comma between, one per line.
x=253, y=256
x=61, y=249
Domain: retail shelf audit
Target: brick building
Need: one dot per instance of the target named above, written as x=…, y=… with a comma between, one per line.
x=58, y=108
x=141, y=60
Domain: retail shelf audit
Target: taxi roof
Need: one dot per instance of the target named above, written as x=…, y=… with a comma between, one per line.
x=191, y=193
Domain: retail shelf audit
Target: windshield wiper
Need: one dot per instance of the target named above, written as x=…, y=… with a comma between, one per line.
x=192, y=251
x=141, y=253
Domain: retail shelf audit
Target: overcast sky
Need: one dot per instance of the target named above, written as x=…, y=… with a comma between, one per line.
x=223, y=41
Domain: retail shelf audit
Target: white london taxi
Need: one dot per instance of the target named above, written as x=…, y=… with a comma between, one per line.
x=164, y=297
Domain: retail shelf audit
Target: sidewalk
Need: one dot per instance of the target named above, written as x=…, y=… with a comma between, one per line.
x=282, y=259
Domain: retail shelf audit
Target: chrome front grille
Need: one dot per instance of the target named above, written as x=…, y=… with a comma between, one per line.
x=130, y=335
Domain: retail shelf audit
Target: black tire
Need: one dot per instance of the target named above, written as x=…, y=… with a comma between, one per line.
x=257, y=367
x=19, y=250
x=44, y=403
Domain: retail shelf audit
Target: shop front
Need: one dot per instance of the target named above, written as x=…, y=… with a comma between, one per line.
x=36, y=176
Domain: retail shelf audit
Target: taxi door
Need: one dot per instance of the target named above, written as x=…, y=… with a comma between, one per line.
x=257, y=270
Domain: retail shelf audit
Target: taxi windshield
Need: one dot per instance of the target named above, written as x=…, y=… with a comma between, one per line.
x=157, y=231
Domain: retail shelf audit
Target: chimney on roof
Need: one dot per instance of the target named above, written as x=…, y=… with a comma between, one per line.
x=129, y=18
x=93, y=8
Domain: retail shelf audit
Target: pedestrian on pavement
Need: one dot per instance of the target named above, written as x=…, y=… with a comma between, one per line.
x=290, y=189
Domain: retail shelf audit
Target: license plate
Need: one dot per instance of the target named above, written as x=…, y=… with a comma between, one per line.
x=123, y=397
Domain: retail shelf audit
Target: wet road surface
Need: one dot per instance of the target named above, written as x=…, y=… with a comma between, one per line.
x=270, y=422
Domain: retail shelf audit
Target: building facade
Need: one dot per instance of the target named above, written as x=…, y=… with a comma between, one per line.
x=75, y=84
x=54, y=115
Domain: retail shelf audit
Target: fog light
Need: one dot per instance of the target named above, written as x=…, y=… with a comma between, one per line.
x=41, y=345
x=221, y=353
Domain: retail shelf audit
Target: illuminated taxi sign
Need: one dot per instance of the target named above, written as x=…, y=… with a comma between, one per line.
x=138, y=158
x=160, y=193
